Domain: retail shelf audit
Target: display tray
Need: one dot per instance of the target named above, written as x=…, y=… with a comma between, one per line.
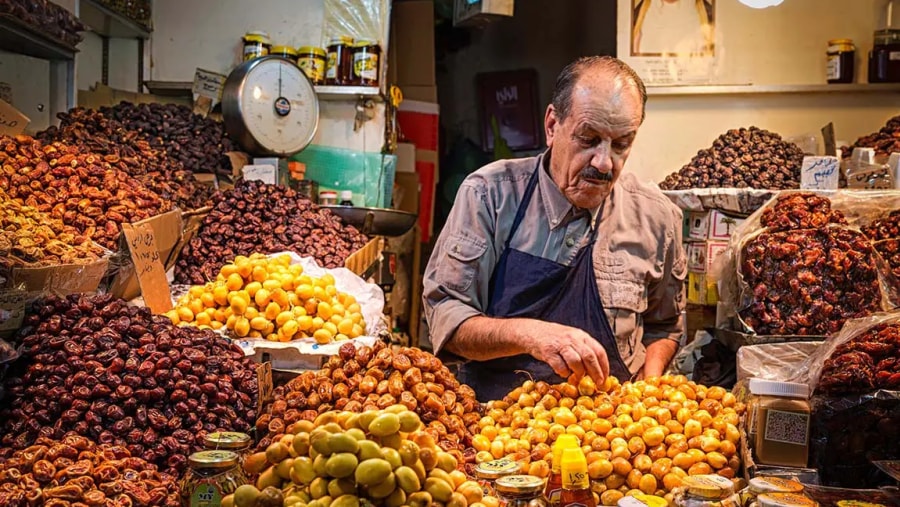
x=742, y=201
x=361, y=260
x=379, y=221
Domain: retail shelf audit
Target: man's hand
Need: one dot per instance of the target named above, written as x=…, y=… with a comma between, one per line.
x=567, y=350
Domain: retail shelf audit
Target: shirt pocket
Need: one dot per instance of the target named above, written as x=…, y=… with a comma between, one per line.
x=459, y=267
x=624, y=302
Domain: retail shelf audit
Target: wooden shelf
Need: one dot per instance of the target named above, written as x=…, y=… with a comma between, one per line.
x=109, y=23
x=773, y=89
x=17, y=37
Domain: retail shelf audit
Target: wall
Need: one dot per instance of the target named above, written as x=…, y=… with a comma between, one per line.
x=537, y=37
x=783, y=45
x=208, y=35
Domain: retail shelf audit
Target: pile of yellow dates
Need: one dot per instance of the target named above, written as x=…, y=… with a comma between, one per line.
x=345, y=459
x=258, y=297
x=642, y=437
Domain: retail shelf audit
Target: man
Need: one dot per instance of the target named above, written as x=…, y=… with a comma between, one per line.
x=559, y=264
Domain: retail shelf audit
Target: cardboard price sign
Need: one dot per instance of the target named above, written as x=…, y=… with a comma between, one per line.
x=265, y=173
x=12, y=121
x=820, y=173
x=148, y=266
x=264, y=381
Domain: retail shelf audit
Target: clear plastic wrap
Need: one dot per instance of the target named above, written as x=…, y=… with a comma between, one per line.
x=773, y=361
x=858, y=207
x=830, y=497
x=361, y=19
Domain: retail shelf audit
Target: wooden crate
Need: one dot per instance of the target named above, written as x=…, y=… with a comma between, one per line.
x=362, y=259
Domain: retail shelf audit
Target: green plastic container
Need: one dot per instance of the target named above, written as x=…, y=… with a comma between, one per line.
x=370, y=176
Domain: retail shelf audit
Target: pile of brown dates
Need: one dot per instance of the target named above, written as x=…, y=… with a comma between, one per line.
x=121, y=376
x=76, y=471
x=254, y=217
x=373, y=378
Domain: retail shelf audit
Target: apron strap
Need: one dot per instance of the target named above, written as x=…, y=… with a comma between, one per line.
x=523, y=206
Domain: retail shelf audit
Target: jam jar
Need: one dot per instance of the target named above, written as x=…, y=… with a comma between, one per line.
x=366, y=60
x=238, y=443
x=489, y=471
x=520, y=491
x=339, y=66
x=286, y=52
x=311, y=61
x=256, y=45
x=211, y=476
x=841, y=61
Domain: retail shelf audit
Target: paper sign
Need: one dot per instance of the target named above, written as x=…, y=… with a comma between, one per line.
x=6, y=92
x=894, y=166
x=149, y=267
x=12, y=121
x=264, y=173
x=820, y=173
x=208, y=84
x=870, y=177
x=863, y=155
x=264, y=381
x=238, y=160
x=12, y=308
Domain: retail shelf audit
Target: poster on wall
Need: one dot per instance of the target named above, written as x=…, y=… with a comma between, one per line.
x=508, y=102
x=670, y=42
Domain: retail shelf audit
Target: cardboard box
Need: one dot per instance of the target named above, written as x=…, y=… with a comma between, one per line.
x=712, y=224
x=701, y=290
x=407, y=191
x=419, y=93
x=702, y=254
x=477, y=12
x=168, y=229
x=406, y=158
x=411, y=52
x=419, y=123
x=427, y=168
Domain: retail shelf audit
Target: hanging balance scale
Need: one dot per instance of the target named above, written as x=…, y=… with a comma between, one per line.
x=270, y=107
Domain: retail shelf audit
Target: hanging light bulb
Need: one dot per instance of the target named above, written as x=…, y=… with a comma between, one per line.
x=761, y=4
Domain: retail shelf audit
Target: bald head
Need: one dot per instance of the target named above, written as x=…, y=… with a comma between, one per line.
x=605, y=66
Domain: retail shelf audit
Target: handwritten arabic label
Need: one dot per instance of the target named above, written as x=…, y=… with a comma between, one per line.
x=148, y=267
x=264, y=173
x=208, y=84
x=12, y=121
x=820, y=173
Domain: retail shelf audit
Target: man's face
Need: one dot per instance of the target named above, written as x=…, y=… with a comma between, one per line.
x=589, y=147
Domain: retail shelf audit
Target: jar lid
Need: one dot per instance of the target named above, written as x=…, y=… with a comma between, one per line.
x=213, y=459
x=764, y=484
x=346, y=195
x=227, y=440
x=784, y=500
x=256, y=37
x=713, y=487
x=366, y=42
x=284, y=49
x=496, y=468
x=840, y=41
x=311, y=50
x=775, y=388
x=340, y=40
x=519, y=484
x=642, y=500
x=328, y=193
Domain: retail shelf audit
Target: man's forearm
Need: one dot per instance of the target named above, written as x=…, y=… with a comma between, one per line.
x=482, y=338
x=658, y=355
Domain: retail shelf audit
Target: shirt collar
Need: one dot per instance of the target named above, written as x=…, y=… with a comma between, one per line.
x=558, y=209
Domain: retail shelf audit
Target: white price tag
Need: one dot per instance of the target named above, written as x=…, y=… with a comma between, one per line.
x=820, y=173
x=265, y=173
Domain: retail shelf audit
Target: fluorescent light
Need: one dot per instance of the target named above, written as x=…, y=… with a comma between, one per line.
x=761, y=4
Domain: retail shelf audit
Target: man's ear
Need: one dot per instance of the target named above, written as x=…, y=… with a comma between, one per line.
x=551, y=124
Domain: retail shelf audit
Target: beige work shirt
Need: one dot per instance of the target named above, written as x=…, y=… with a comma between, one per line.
x=639, y=262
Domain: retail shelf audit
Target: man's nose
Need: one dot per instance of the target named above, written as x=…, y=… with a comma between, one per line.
x=602, y=159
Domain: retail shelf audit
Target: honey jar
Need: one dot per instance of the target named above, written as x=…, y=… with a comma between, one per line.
x=211, y=476
x=286, y=52
x=256, y=45
x=339, y=67
x=366, y=60
x=312, y=60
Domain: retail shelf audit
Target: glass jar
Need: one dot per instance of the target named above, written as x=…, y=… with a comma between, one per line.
x=762, y=484
x=211, y=476
x=238, y=443
x=782, y=422
x=489, y=471
x=785, y=500
x=256, y=45
x=841, y=60
x=520, y=491
x=311, y=61
x=308, y=189
x=706, y=491
x=286, y=52
x=328, y=197
x=642, y=500
x=366, y=59
x=339, y=66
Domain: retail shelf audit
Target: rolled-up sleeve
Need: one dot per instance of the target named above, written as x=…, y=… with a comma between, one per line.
x=457, y=278
x=665, y=298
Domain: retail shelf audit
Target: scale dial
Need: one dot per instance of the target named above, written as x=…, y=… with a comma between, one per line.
x=270, y=107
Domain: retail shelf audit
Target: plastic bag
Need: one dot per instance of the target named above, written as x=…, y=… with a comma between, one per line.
x=773, y=361
x=360, y=19
x=858, y=207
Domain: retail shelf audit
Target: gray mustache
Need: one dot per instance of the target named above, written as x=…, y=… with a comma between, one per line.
x=592, y=173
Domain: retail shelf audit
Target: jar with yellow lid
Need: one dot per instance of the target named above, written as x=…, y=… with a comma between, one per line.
x=763, y=484
x=211, y=476
x=706, y=491
x=488, y=472
x=520, y=491
x=642, y=500
x=256, y=45
x=286, y=52
x=841, y=60
x=785, y=500
x=236, y=442
x=311, y=61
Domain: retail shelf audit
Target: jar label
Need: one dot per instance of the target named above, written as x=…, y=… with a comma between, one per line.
x=206, y=494
x=331, y=70
x=787, y=427
x=314, y=68
x=553, y=497
x=365, y=65
x=254, y=50
x=833, y=70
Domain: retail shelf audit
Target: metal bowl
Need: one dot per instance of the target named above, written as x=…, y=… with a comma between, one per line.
x=375, y=221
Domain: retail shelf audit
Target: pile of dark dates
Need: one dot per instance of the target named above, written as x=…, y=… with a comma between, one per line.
x=75, y=471
x=46, y=17
x=741, y=158
x=254, y=217
x=885, y=141
x=373, y=378
x=121, y=376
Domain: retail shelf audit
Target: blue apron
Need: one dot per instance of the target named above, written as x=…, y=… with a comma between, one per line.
x=529, y=286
